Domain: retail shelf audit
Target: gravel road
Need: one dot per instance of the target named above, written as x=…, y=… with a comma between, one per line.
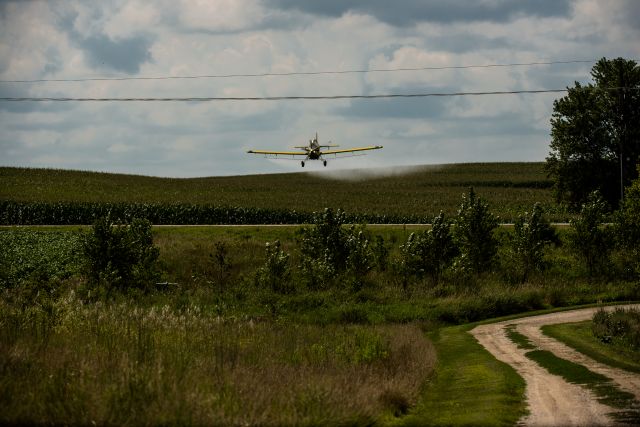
x=551, y=400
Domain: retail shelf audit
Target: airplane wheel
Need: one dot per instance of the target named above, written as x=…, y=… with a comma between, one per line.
x=302, y=163
x=325, y=163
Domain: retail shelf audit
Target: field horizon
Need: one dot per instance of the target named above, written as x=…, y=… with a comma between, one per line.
x=412, y=193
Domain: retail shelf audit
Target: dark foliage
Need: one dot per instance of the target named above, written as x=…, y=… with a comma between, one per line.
x=121, y=256
x=473, y=234
x=591, y=240
x=531, y=234
x=593, y=129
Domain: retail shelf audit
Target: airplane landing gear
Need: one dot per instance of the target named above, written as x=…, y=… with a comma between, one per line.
x=324, y=163
x=302, y=163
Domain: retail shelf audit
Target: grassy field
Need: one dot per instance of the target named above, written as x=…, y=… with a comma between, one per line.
x=469, y=386
x=580, y=337
x=213, y=343
x=510, y=188
x=67, y=363
x=248, y=354
x=192, y=275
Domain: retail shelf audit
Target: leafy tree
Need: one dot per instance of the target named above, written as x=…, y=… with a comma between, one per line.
x=473, y=233
x=429, y=252
x=360, y=256
x=327, y=239
x=275, y=273
x=442, y=249
x=380, y=253
x=121, y=256
x=627, y=225
x=329, y=249
x=531, y=234
x=590, y=239
x=323, y=247
x=590, y=128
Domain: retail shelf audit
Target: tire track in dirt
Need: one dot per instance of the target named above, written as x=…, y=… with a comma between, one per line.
x=552, y=400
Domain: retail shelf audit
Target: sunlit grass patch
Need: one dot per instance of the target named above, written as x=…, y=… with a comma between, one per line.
x=580, y=337
x=469, y=386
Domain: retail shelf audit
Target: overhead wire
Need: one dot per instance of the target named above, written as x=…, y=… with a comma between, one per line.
x=304, y=97
x=305, y=73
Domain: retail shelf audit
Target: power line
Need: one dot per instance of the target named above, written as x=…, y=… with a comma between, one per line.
x=302, y=73
x=279, y=98
x=304, y=97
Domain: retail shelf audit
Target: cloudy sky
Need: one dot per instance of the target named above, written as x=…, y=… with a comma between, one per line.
x=114, y=39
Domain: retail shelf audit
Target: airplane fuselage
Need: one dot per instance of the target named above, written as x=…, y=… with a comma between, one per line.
x=314, y=154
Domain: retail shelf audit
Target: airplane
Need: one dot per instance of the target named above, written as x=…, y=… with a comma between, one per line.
x=313, y=151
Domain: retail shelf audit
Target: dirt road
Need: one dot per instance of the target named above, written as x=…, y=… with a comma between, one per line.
x=552, y=400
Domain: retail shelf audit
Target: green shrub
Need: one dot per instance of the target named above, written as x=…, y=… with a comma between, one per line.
x=429, y=252
x=531, y=234
x=275, y=273
x=328, y=249
x=627, y=227
x=380, y=253
x=590, y=240
x=121, y=256
x=621, y=326
x=360, y=255
x=323, y=248
x=473, y=234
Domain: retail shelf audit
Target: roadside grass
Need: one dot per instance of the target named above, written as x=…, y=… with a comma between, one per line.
x=580, y=337
x=606, y=392
x=469, y=386
x=63, y=362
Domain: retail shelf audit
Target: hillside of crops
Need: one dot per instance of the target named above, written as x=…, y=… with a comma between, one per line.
x=412, y=193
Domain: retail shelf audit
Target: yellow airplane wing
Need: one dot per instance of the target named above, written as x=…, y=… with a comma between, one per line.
x=279, y=153
x=351, y=150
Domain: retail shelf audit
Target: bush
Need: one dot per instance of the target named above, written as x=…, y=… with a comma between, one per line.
x=429, y=252
x=621, y=326
x=275, y=273
x=473, y=234
x=328, y=249
x=121, y=256
x=360, y=256
x=627, y=227
x=590, y=240
x=324, y=246
x=531, y=234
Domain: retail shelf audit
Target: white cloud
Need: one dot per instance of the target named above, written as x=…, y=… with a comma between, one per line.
x=178, y=38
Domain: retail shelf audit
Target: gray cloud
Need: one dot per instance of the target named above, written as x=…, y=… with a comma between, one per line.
x=631, y=9
x=125, y=54
x=413, y=11
x=407, y=108
x=462, y=43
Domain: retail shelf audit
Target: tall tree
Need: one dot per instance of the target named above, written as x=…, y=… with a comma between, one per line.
x=595, y=134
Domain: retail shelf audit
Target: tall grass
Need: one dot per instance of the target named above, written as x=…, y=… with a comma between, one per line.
x=64, y=362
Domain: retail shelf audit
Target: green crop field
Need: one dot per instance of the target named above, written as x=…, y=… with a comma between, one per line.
x=412, y=194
